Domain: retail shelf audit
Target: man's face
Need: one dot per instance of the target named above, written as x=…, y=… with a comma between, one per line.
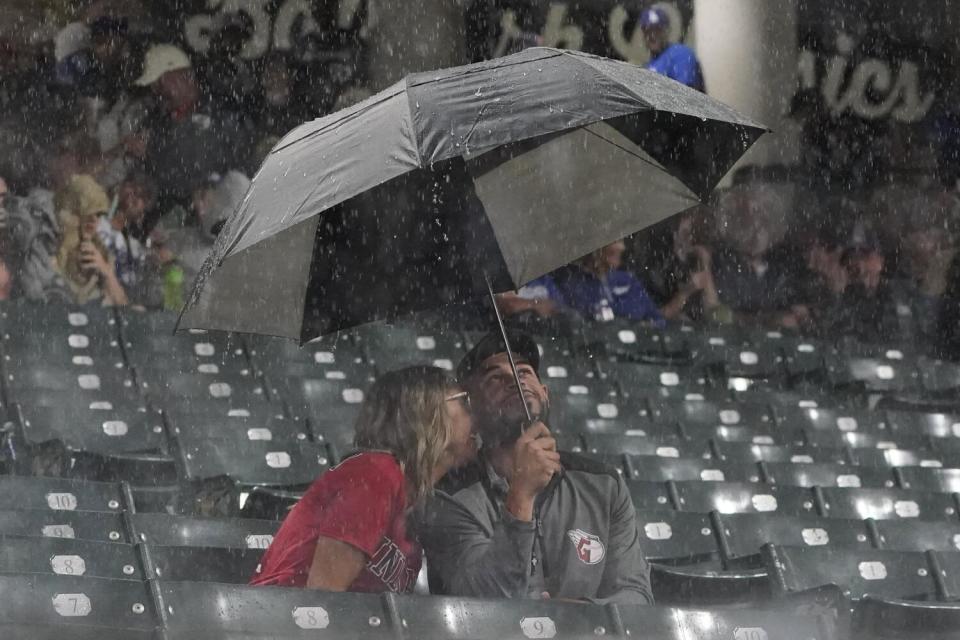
x=133, y=201
x=655, y=39
x=496, y=403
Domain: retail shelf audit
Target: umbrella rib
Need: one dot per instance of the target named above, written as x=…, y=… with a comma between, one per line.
x=624, y=149
x=486, y=67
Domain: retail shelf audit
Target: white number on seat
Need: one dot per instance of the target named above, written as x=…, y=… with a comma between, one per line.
x=261, y=541
x=311, y=617
x=259, y=434
x=115, y=428
x=668, y=452
x=72, y=605
x=538, y=627
x=607, y=410
x=801, y=459
x=730, y=416
x=204, y=349
x=220, y=390
x=443, y=363
x=627, y=337
x=324, y=357
x=68, y=565
x=77, y=319
x=815, y=537
x=78, y=341
x=278, y=459
x=62, y=501
x=352, y=396
x=764, y=502
x=848, y=480
x=426, y=343
x=906, y=509
x=749, y=358
x=847, y=423
x=885, y=372
x=873, y=570
x=88, y=382
x=208, y=368
x=556, y=372
x=58, y=531
x=669, y=379
x=956, y=541
x=712, y=475
x=750, y=633
x=658, y=530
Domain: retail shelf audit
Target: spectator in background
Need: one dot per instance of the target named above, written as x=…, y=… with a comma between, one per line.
x=119, y=233
x=679, y=274
x=187, y=139
x=599, y=289
x=819, y=291
x=6, y=249
x=927, y=249
x=97, y=69
x=868, y=297
x=672, y=59
x=948, y=322
x=752, y=276
x=213, y=202
x=85, y=264
x=227, y=78
x=280, y=109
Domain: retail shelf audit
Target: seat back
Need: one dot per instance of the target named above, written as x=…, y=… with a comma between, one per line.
x=79, y=525
x=722, y=624
x=826, y=475
x=875, y=572
x=742, y=497
x=201, y=564
x=676, y=536
x=742, y=535
x=885, y=504
x=196, y=610
x=163, y=530
x=60, y=494
x=915, y=535
x=69, y=557
x=660, y=469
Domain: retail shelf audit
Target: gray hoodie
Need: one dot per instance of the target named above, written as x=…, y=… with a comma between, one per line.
x=584, y=544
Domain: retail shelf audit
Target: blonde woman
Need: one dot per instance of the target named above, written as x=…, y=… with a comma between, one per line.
x=351, y=531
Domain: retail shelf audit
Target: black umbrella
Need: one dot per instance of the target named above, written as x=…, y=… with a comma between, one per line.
x=455, y=183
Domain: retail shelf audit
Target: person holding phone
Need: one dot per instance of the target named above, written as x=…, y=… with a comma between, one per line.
x=82, y=260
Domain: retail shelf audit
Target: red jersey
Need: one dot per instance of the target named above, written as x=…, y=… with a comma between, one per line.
x=361, y=502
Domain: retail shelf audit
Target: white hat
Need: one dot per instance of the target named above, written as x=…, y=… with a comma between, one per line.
x=160, y=59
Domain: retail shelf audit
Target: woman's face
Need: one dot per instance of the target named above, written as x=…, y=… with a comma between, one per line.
x=462, y=445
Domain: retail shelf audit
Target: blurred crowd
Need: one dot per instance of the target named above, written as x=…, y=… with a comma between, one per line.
x=880, y=267
x=122, y=156
x=130, y=154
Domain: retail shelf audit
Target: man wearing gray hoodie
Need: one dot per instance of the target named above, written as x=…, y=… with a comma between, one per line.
x=527, y=520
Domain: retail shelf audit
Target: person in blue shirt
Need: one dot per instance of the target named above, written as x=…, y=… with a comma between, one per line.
x=598, y=289
x=672, y=59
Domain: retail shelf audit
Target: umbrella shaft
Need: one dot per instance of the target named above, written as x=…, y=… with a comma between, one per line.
x=506, y=342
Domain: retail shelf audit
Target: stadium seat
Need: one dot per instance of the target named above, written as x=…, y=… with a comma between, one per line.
x=927, y=479
x=831, y=420
x=885, y=504
x=939, y=378
x=765, y=434
x=200, y=564
x=254, y=462
x=143, y=333
x=883, y=618
x=666, y=446
x=744, y=452
x=329, y=406
x=758, y=360
x=653, y=380
x=873, y=375
x=628, y=342
x=742, y=497
x=97, y=383
x=69, y=557
x=211, y=611
x=60, y=494
x=826, y=475
x=946, y=566
x=656, y=468
x=163, y=530
x=649, y=496
x=706, y=413
x=268, y=503
x=120, y=429
x=334, y=358
x=390, y=347
x=79, y=525
x=698, y=587
x=53, y=607
x=462, y=619
x=209, y=421
x=804, y=359
x=174, y=389
x=741, y=535
x=723, y=624
x=936, y=425
x=676, y=537
x=915, y=535
x=863, y=572
x=889, y=456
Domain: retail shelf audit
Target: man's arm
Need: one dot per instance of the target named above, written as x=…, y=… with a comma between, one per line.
x=464, y=559
x=626, y=576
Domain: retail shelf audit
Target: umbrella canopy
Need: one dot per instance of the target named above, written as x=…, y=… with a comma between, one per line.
x=505, y=169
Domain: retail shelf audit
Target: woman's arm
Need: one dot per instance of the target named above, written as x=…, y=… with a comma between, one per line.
x=335, y=565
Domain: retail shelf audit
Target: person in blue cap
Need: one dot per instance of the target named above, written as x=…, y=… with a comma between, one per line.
x=672, y=59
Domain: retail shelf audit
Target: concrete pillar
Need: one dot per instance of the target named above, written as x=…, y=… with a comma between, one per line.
x=414, y=36
x=748, y=49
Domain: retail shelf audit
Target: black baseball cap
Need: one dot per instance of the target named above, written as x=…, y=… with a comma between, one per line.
x=522, y=344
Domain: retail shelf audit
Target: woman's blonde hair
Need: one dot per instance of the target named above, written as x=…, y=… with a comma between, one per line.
x=405, y=414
